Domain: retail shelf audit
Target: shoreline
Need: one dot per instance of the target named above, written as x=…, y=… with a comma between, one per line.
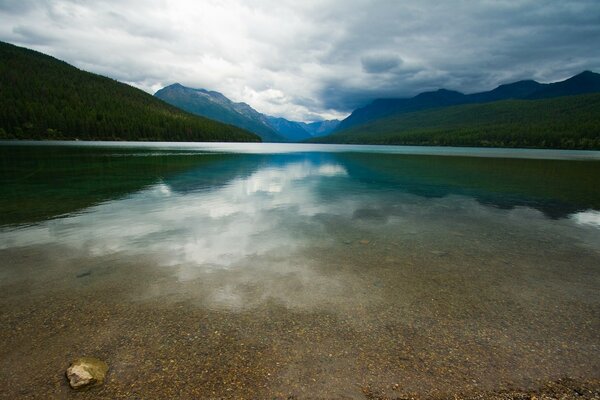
x=163, y=338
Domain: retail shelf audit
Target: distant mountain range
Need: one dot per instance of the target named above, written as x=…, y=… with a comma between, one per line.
x=299, y=131
x=214, y=105
x=585, y=82
x=562, y=115
x=45, y=98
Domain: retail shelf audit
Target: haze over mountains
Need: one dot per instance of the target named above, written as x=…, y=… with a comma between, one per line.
x=299, y=131
x=214, y=105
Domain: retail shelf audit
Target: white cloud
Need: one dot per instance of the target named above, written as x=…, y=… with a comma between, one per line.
x=589, y=217
x=312, y=59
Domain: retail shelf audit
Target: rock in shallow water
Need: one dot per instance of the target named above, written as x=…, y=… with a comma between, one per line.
x=86, y=372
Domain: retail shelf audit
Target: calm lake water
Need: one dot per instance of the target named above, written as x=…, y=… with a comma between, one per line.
x=254, y=271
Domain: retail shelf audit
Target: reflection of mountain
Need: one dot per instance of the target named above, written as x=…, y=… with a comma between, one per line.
x=41, y=182
x=219, y=172
x=255, y=171
x=44, y=182
x=555, y=187
x=212, y=214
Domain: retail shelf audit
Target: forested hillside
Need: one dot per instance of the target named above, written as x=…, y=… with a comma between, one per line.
x=583, y=83
x=215, y=105
x=45, y=98
x=569, y=122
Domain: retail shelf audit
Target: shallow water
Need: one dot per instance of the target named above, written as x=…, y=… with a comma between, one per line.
x=297, y=270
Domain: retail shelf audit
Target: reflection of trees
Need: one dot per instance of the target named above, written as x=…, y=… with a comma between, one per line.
x=41, y=182
x=554, y=187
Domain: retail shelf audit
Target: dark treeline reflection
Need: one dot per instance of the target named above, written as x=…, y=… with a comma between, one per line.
x=42, y=182
x=555, y=187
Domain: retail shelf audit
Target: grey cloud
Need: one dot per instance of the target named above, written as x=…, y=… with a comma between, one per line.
x=311, y=60
x=14, y=6
x=31, y=35
x=472, y=47
x=136, y=27
x=375, y=64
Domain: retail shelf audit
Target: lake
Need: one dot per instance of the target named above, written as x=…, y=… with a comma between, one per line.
x=297, y=271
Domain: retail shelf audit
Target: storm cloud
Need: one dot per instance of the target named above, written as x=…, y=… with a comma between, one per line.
x=311, y=60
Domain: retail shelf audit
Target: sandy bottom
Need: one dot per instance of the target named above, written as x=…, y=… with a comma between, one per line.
x=372, y=312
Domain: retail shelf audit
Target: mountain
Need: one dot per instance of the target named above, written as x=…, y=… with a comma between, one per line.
x=216, y=106
x=586, y=82
x=45, y=98
x=321, y=128
x=516, y=90
x=299, y=131
x=380, y=108
x=291, y=130
x=566, y=122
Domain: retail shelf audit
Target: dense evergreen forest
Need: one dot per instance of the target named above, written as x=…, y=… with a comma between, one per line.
x=45, y=98
x=569, y=122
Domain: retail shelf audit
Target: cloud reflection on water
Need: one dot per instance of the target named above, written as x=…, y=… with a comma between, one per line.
x=264, y=235
x=212, y=228
x=590, y=217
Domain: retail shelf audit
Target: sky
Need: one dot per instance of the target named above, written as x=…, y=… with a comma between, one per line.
x=311, y=60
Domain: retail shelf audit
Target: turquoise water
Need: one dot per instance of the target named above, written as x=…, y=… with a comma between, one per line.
x=325, y=270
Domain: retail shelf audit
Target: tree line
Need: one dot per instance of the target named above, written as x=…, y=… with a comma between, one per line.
x=569, y=122
x=44, y=98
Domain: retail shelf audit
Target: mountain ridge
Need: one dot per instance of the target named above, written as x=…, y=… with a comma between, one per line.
x=46, y=98
x=215, y=105
x=563, y=122
x=584, y=82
